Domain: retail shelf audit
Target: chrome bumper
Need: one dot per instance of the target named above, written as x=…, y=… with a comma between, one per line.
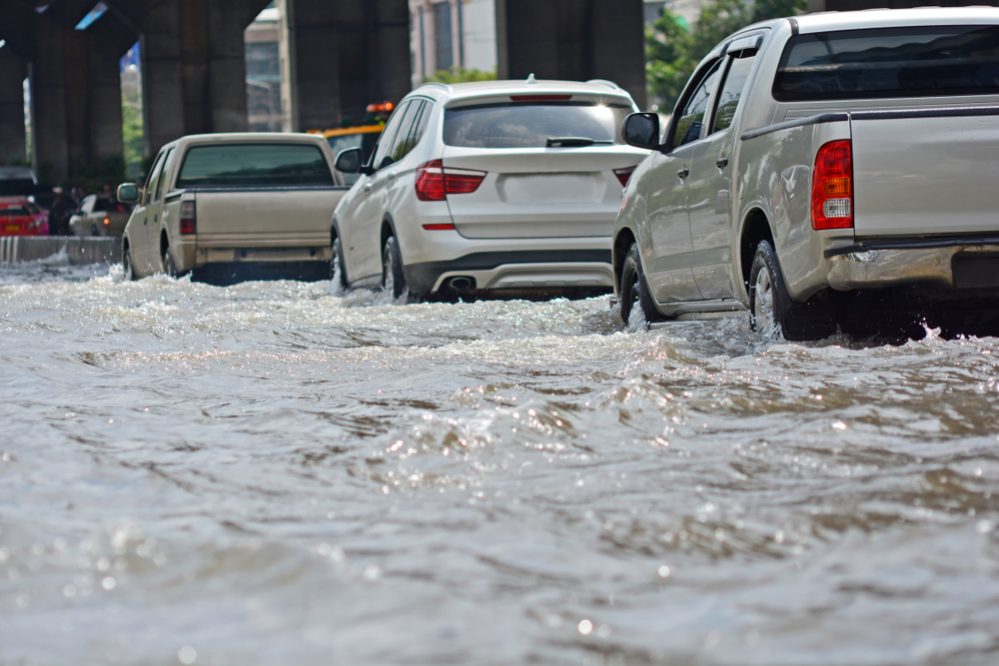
x=898, y=262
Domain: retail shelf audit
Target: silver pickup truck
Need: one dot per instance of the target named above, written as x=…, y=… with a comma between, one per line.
x=824, y=170
x=233, y=200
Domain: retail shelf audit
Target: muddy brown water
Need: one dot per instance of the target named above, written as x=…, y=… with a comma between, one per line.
x=275, y=473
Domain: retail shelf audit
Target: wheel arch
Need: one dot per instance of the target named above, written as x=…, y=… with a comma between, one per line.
x=755, y=228
x=625, y=238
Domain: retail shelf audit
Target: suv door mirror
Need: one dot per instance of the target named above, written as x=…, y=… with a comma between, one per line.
x=642, y=130
x=348, y=161
x=128, y=193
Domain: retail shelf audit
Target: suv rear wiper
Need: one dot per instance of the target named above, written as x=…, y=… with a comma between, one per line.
x=573, y=142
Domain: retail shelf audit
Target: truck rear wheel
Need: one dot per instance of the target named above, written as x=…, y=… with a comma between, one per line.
x=771, y=310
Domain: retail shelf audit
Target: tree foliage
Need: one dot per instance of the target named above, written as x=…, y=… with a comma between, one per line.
x=673, y=48
x=459, y=75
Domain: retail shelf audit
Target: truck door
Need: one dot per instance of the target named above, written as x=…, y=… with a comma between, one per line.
x=144, y=256
x=669, y=274
x=710, y=184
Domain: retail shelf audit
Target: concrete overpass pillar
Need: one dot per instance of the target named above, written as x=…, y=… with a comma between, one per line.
x=573, y=39
x=344, y=55
x=13, y=70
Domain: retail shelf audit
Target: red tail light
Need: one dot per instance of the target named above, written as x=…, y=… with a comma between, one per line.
x=107, y=221
x=624, y=174
x=540, y=98
x=434, y=182
x=188, y=218
x=832, y=186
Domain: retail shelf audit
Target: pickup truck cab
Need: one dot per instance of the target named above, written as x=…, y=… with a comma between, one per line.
x=820, y=170
x=225, y=200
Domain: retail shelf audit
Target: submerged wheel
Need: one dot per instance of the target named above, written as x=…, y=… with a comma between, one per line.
x=169, y=267
x=338, y=274
x=771, y=310
x=393, y=279
x=128, y=271
x=635, y=290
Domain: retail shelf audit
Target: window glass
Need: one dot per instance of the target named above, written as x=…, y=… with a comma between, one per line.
x=731, y=92
x=924, y=61
x=254, y=165
x=530, y=125
x=443, y=47
x=167, y=166
x=405, y=144
x=382, y=156
x=152, y=180
x=14, y=211
x=691, y=120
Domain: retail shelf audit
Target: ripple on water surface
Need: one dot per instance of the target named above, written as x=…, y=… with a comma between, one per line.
x=274, y=472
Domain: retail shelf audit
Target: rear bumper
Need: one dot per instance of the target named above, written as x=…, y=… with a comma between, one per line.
x=198, y=252
x=523, y=270
x=949, y=262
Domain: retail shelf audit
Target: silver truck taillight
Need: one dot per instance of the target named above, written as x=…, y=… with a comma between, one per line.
x=832, y=186
x=188, y=218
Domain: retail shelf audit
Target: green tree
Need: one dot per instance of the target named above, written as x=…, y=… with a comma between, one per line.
x=673, y=48
x=460, y=75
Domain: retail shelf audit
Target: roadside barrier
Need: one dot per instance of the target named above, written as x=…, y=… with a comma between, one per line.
x=14, y=249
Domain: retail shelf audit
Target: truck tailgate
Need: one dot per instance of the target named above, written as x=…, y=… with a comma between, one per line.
x=926, y=172
x=247, y=217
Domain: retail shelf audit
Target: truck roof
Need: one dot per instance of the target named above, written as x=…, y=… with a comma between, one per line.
x=880, y=18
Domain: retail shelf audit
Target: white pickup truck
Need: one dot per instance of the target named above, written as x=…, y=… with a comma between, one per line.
x=233, y=201
x=836, y=168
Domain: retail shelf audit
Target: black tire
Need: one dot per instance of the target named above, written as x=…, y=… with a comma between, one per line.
x=338, y=272
x=169, y=267
x=634, y=289
x=393, y=279
x=127, y=268
x=771, y=310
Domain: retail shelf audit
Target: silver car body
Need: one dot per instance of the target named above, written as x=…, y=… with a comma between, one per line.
x=267, y=222
x=924, y=174
x=540, y=218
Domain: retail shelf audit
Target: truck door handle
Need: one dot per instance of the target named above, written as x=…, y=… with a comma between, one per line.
x=683, y=173
x=722, y=162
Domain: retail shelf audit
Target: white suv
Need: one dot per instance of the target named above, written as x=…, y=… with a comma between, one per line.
x=488, y=187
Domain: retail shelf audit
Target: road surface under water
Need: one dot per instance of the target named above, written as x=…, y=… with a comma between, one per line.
x=274, y=473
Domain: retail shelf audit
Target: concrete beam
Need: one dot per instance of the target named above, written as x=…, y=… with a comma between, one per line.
x=13, y=71
x=344, y=55
x=573, y=39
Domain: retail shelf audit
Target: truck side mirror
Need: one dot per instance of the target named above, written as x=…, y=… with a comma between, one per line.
x=642, y=130
x=128, y=193
x=348, y=161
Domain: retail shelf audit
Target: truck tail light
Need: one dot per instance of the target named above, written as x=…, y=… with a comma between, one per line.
x=624, y=174
x=106, y=221
x=188, y=218
x=434, y=182
x=832, y=186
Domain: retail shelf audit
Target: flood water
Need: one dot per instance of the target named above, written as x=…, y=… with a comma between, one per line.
x=275, y=473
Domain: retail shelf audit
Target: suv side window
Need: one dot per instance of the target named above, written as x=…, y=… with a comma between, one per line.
x=152, y=180
x=691, y=118
x=731, y=92
x=383, y=153
x=406, y=142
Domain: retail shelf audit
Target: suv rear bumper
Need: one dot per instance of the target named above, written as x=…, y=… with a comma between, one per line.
x=515, y=270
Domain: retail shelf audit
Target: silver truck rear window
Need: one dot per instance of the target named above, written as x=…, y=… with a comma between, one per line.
x=531, y=125
x=927, y=61
x=254, y=165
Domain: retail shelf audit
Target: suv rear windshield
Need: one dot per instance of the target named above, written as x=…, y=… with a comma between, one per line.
x=529, y=125
x=254, y=165
x=890, y=62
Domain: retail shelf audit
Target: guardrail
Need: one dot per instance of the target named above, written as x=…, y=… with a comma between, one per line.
x=14, y=249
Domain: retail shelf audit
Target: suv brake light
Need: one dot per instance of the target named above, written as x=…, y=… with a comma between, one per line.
x=832, y=186
x=434, y=182
x=188, y=218
x=624, y=174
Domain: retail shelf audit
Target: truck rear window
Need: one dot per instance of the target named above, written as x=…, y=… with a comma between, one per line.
x=927, y=61
x=528, y=125
x=254, y=165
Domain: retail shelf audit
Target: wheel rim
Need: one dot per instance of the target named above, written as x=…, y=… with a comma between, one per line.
x=763, y=304
x=336, y=272
x=127, y=265
x=388, y=275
